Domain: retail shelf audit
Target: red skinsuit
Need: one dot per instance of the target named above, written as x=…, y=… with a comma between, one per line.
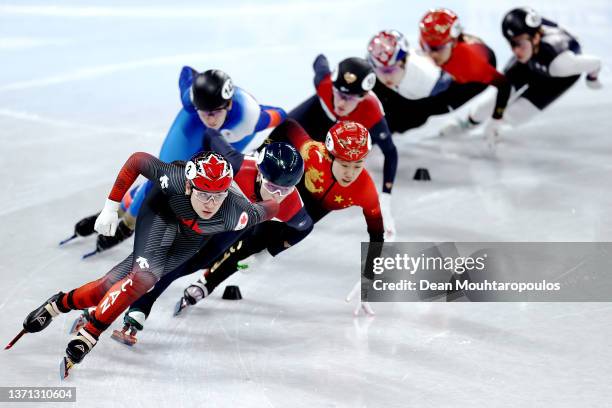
x=368, y=113
x=321, y=184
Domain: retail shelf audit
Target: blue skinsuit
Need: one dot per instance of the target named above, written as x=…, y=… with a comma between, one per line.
x=185, y=137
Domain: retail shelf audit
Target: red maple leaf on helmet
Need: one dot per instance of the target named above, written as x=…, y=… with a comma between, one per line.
x=213, y=168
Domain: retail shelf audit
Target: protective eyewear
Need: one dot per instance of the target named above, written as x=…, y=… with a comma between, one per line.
x=276, y=189
x=205, y=196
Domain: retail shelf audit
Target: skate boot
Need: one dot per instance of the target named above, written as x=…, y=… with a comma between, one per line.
x=103, y=242
x=133, y=321
x=123, y=233
x=80, y=345
x=41, y=317
x=192, y=295
x=83, y=228
x=77, y=349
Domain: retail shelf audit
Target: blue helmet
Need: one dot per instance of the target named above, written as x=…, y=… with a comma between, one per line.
x=280, y=163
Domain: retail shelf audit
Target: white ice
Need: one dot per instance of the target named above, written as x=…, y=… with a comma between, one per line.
x=83, y=85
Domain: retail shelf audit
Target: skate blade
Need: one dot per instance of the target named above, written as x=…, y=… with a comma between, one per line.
x=17, y=337
x=124, y=338
x=92, y=253
x=178, y=308
x=65, y=365
x=67, y=240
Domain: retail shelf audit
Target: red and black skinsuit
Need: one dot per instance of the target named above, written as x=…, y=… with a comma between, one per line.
x=320, y=193
x=168, y=233
x=241, y=244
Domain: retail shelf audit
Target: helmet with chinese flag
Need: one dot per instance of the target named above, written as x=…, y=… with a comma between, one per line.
x=349, y=141
x=439, y=27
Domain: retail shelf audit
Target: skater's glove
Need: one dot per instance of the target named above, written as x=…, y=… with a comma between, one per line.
x=107, y=221
x=592, y=81
x=255, y=261
x=361, y=289
x=388, y=221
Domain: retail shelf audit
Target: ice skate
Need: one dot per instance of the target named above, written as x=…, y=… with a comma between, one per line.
x=83, y=228
x=80, y=345
x=133, y=321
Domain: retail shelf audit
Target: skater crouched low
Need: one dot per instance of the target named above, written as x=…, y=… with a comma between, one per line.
x=188, y=203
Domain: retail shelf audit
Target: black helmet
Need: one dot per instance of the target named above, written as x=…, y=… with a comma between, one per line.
x=211, y=90
x=280, y=163
x=354, y=76
x=519, y=21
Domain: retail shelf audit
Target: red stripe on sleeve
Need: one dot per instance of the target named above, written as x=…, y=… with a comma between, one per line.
x=130, y=171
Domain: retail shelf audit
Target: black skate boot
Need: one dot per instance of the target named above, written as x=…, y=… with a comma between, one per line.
x=77, y=349
x=80, y=345
x=133, y=322
x=41, y=317
x=103, y=243
x=123, y=233
x=83, y=228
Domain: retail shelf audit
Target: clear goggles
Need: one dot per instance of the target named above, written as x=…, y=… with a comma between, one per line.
x=275, y=188
x=205, y=196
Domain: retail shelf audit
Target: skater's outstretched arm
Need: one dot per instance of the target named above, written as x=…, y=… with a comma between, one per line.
x=185, y=81
x=139, y=163
x=569, y=63
x=269, y=117
x=369, y=203
x=381, y=136
x=292, y=131
x=214, y=141
x=321, y=69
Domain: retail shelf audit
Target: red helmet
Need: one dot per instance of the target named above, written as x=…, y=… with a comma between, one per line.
x=348, y=141
x=387, y=48
x=209, y=171
x=438, y=27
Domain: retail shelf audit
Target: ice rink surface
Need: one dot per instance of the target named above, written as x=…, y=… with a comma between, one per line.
x=83, y=85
